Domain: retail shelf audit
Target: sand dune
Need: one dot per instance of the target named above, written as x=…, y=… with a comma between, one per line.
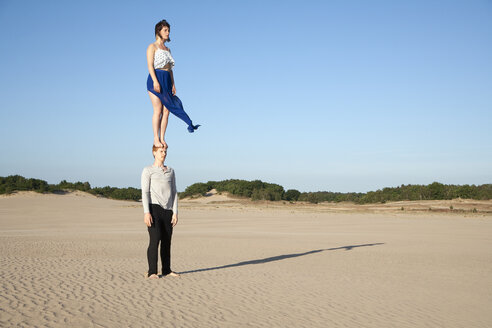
x=455, y=206
x=78, y=260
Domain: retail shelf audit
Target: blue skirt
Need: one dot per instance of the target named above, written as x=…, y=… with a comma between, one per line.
x=172, y=102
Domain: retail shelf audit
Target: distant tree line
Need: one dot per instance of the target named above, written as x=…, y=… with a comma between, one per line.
x=18, y=183
x=129, y=193
x=256, y=190
x=432, y=191
x=328, y=196
x=259, y=190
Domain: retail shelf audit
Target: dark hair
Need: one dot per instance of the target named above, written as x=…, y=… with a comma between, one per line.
x=159, y=26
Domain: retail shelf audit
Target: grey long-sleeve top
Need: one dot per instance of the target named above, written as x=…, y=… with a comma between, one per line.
x=159, y=187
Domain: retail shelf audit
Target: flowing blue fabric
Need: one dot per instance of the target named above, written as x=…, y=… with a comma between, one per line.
x=172, y=102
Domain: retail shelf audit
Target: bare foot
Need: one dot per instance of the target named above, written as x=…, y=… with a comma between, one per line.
x=157, y=143
x=153, y=276
x=173, y=274
x=164, y=144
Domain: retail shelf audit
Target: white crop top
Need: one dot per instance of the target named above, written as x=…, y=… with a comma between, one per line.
x=162, y=58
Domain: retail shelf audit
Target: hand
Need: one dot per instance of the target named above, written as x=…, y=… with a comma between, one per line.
x=157, y=87
x=148, y=219
x=174, y=220
x=174, y=90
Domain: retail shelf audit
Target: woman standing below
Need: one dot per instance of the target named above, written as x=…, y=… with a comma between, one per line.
x=160, y=203
x=160, y=85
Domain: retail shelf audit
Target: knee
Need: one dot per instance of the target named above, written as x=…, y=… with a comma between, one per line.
x=157, y=111
x=165, y=112
x=154, y=241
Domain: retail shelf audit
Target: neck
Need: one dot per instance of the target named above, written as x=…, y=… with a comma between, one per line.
x=158, y=163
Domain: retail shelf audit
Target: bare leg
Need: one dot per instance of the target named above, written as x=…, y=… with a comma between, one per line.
x=156, y=117
x=164, y=120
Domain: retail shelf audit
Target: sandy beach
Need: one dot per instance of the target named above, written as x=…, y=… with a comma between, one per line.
x=76, y=260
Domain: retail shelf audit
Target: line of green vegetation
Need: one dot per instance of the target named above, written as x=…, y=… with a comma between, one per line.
x=259, y=190
x=18, y=183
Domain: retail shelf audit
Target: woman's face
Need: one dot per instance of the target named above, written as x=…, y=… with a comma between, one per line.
x=164, y=33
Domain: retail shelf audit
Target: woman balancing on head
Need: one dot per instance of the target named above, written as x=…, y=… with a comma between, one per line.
x=160, y=85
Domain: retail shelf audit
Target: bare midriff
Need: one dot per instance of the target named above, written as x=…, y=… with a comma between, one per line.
x=165, y=68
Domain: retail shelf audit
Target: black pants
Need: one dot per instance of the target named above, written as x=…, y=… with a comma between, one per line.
x=161, y=231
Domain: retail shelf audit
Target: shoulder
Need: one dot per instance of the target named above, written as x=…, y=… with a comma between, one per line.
x=151, y=47
x=147, y=169
x=170, y=169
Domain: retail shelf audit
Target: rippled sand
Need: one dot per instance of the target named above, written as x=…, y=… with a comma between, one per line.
x=77, y=260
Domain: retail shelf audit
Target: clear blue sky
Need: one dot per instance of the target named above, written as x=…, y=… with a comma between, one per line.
x=313, y=95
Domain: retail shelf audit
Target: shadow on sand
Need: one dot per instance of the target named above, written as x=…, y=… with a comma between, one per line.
x=279, y=257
